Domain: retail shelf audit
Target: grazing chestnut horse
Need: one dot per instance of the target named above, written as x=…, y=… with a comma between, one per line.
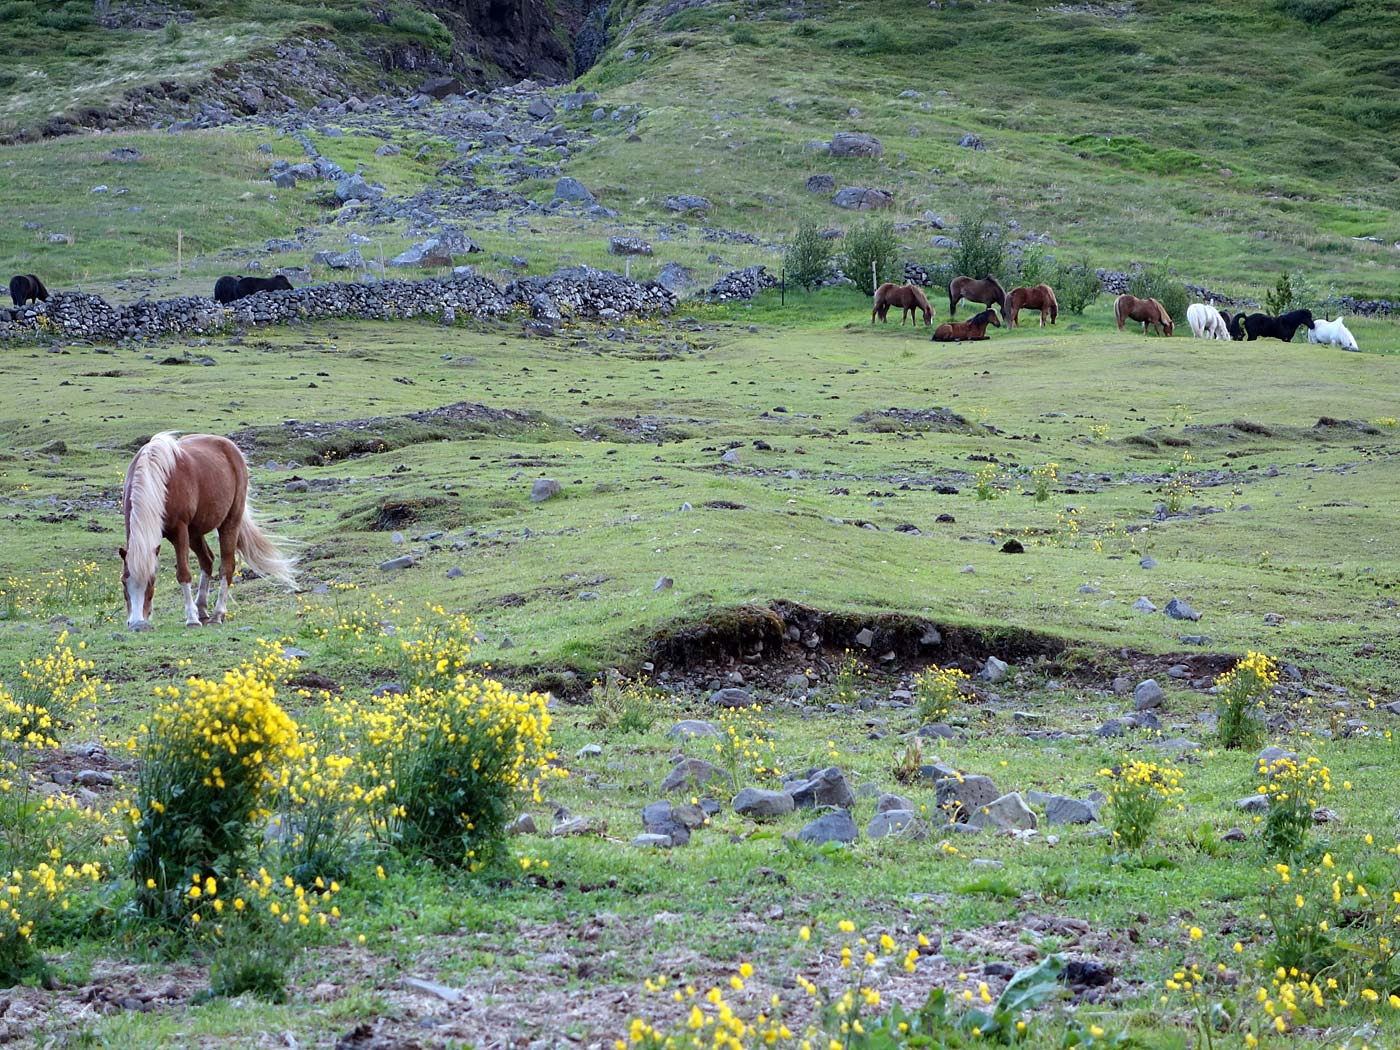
x=180, y=489
x=986, y=291
x=971, y=331
x=1148, y=311
x=910, y=297
x=1041, y=297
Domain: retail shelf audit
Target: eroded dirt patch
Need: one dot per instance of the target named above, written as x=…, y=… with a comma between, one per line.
x=327, y=442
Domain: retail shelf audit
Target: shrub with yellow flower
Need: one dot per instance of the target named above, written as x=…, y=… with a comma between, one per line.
x=1137, y=793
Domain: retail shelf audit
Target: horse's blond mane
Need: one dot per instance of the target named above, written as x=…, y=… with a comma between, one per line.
x=146, y=485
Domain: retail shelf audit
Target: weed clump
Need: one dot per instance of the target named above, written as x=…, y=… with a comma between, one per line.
x=1137, y=793
x=938, y=691
x=1241, y=692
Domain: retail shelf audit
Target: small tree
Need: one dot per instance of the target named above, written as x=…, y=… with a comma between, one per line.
x=871, y=255
x=1076, y=286
x=1156, y=282
x=807, y=260
x=980, y=246
x=1293, y=291
x=1035, y=266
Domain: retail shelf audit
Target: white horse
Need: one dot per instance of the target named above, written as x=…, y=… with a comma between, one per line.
x=1206, y=322
x=1333, y=333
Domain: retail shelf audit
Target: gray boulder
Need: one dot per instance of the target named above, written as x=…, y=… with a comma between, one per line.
x=1060, y=809
x=761, y=804
x=686, y=202
x=836, y=826
x=993, y=670
x=827, y=788
x=861, y=198
x=960, y=797
x=1179, y=610
x=1007, y=812
x=971, y=141
x=899, y=823
x=888, y=802
x=573, y=191
x=355, y=188
x=855, y=144
x=351, y=260
x=821, y=184
x=731, y=696
x=1148, y=695
x=543, y=489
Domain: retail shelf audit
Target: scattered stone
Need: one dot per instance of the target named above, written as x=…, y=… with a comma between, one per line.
x=993, y=670
x=821, y=184
x=971, y=141
x=836, y=826
x=761, y=804
x=889, y=802
x=437, y=991
x=1234, y=835
x=865, y=637
x=900, y=823
x=647, y=840
x=1253, y=803
x=1148, y=695
x=960, y=797
x=862, y=198
x=1143, y=605
x=1148, y=562
x=1179, y=610
x=855, y=144
x=543, y=489
x=1007, y=812
x=731, y=697
x=522, y=825
x=827, y=788
x=403, y=561
x=664, y=583
x=686, y=202
x=571, y=190
x=1060, y=809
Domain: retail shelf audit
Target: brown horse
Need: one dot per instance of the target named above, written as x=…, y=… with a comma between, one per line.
x=1148, y=311
x=986, y=291
x=972, y=331
x=1041, y=297
x=910, y=297
x=180, y=489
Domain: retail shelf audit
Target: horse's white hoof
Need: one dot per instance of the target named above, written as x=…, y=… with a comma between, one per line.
x=193, y=623
x=216, y=618
x=144, y=625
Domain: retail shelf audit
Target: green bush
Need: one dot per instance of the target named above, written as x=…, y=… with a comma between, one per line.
x=1156, y=282
x=1035, y=266
x=1076, y=286
x=1313, y=12
x=979, y=248
x=1291, y=292
x=808, y=258
x=872, y=243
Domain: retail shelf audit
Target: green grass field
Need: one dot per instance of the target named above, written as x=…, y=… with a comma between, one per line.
x=719, y=471
x=1301, y=532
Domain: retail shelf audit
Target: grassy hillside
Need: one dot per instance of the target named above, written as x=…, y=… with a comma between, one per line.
x=1234, y=139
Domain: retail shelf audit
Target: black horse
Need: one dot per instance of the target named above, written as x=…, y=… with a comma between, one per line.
x=25, y=288
x=1262, y=326
x=1233, y=324
x=252, y=285
x=226, y=289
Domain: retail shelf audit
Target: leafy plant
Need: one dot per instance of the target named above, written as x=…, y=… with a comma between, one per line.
x=851, y=675
x=938, y=690
x=1292, y=789
x=979, y=246
x=1137, y=793
x=807, y=261
x=1240, y=694
x=870, y=255
x=1077, y=286
x=622, y=705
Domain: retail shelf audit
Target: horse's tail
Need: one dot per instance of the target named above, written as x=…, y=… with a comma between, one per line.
x=261, y=553
x=1118, y=312
x=952, y=302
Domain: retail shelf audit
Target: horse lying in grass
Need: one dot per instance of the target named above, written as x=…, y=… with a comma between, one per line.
x=26, y=288
x=1041, y=297
x=179, y=489
x=1262, y=326
x=909, y=297
x=1207, y=322
x=971, y=331
x=1332, y=333
x=986, y=291
x=1149, y=311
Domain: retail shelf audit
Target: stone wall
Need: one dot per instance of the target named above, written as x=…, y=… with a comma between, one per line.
x=577, y=292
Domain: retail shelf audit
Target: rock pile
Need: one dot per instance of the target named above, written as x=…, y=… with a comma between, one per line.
x=741, y=284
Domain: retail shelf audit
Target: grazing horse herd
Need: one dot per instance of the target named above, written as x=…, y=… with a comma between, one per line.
x=1206, y=321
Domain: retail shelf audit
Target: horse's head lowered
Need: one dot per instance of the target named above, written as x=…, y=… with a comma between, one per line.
x=139, y=587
